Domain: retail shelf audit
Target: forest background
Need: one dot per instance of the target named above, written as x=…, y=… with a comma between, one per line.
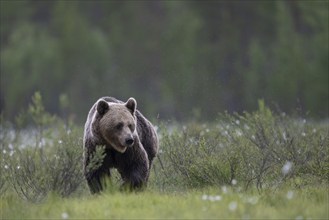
x=179, y=59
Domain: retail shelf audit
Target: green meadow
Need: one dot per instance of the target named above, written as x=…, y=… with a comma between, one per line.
x=210, y=203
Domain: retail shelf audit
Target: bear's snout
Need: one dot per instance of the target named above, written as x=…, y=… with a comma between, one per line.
x=129, y=141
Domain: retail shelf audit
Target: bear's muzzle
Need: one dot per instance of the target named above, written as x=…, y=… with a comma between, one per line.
x=129, y=141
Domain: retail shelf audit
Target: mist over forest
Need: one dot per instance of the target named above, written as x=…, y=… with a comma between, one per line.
x=180, y=59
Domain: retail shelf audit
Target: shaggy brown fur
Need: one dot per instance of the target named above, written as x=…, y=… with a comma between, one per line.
x=129, y=138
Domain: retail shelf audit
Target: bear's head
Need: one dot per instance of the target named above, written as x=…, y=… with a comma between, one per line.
x=117, y=123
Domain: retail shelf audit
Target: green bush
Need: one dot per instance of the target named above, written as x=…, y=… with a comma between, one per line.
x=252, y=150
x=46, y=157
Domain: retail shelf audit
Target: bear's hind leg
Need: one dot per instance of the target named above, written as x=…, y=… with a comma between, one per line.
x=97, y=180
x=94, y=184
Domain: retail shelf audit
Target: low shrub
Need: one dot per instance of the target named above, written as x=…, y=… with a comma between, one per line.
x=42, y=159
x=253, y=149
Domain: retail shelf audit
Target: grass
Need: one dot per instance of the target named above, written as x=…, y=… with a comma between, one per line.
x=208, y=203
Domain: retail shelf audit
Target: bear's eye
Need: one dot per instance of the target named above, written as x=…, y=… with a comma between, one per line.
x=131, y=127
x=119, y=126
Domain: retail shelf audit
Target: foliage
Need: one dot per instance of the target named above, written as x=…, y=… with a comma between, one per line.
x=253, y=149
x=50, y=162
x=209, y=203
x=190, y=57
x=96, y=159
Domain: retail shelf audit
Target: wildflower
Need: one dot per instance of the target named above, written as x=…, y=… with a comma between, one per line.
x=42, y=143
x=237, y=122
x=224, y=189
x=284, y=135
x=214, y=198
x=4, y=151
x=238, y=133
x=6, y=167
x=18, y=167
x=211, y=198
x=252, y=200
x=290, y=195
x=286, y=168
x=234, y=182
x=65, y=215
x=60, y=141
x=232, y=206
x=303, y=134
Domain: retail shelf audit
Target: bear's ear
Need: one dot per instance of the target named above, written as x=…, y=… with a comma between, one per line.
x=131, y=104
x=102, y=107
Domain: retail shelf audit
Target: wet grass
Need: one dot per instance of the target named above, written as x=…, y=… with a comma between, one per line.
x=209, y=203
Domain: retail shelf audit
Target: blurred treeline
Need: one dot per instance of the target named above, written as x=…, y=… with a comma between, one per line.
x=179, y=59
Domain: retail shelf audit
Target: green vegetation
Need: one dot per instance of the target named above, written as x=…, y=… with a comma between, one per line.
x=252, y=165
x=210, y=203
x=191, y=58
x=182, y=60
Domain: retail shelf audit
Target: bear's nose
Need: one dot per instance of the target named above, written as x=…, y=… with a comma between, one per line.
x=129, y=141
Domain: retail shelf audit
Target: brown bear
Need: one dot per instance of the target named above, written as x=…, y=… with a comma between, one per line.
x=130, y=142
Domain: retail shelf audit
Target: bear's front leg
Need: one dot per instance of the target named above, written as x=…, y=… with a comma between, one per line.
x=97, y=179
x=135, y=178
x=96, y=176
x=134, y=169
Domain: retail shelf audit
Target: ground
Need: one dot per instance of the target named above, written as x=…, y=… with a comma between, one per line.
x=216, y=203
